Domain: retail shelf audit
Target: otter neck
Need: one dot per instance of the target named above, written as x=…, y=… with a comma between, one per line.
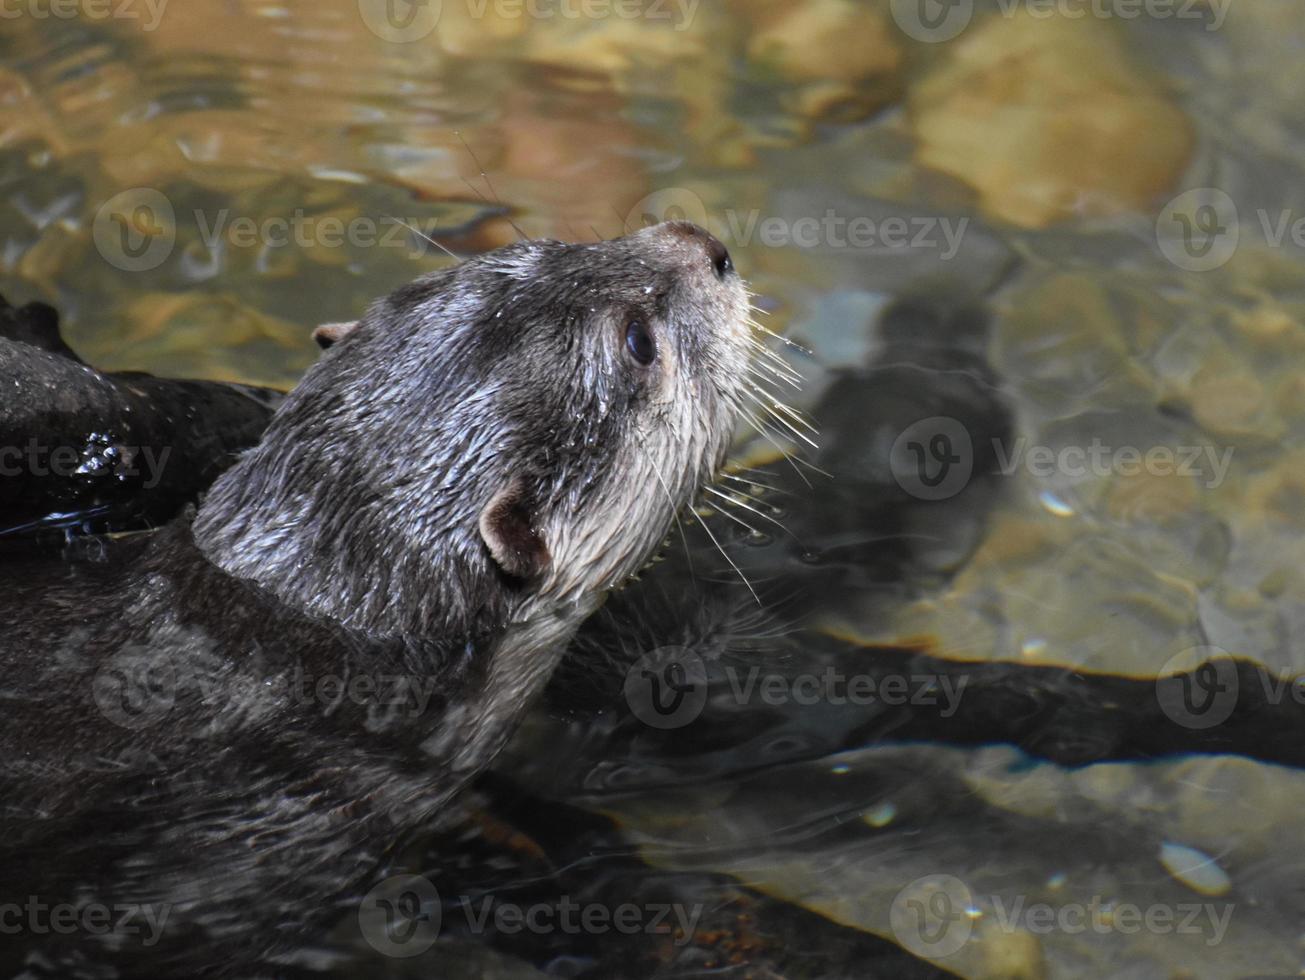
x=330, y=546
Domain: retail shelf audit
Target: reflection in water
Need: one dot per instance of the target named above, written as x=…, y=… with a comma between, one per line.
x=1054, y=522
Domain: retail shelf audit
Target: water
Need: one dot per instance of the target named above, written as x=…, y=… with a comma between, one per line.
x=966, y=731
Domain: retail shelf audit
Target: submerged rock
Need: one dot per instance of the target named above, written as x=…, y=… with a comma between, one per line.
x=1049, y=118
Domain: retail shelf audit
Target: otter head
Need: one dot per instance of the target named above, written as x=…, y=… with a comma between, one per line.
x=503, y=440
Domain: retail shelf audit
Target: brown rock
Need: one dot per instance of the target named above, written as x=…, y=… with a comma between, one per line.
x=1049, y=119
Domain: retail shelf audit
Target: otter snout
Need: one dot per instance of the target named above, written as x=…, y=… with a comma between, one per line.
x=698, y=242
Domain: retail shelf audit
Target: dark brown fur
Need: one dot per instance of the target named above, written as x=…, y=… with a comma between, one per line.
x=428, y=518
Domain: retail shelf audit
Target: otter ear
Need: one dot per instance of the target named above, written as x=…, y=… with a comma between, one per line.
x=329, y=333
x=508, y=528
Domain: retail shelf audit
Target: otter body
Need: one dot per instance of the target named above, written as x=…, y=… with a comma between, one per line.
x=82, y=451
x=210, y=757
x=232, y=721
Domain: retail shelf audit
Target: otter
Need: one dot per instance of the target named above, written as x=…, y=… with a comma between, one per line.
x=88, y=452
x=224, y=727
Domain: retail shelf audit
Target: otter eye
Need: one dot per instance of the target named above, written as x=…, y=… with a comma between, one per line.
x=639, y=342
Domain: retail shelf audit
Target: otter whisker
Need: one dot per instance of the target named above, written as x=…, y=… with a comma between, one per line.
x=739, y=503
x=769, y=433
x=766, y=379
x=675, y=511
x=776, y=370
x=773, y=405
x=736, y=493
x=751, y=482
x=772, y=358
x=783, y=339
x=779, y=336
x=488, y=183
x=797, y=417
x=765, y=432
x=726, y=556
x=722, y=551
x=734, y=517
x=769, y=353
x=772, y=412
x=421, y=234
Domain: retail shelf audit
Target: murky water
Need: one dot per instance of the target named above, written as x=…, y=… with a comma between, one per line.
x=1043, y=271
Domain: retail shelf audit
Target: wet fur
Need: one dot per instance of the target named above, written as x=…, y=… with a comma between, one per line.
x=350, y=543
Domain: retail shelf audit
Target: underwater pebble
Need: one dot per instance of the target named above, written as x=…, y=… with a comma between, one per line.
x=1049, y=119
x=880, y=816
x=827, y=40
x=1195, y=870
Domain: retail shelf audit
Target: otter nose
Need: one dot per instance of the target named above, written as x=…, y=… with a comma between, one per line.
x=717, y=253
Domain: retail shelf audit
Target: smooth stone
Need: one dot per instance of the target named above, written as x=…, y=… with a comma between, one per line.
x=1196, y=870
x=821, y=40
x=1050, y=119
